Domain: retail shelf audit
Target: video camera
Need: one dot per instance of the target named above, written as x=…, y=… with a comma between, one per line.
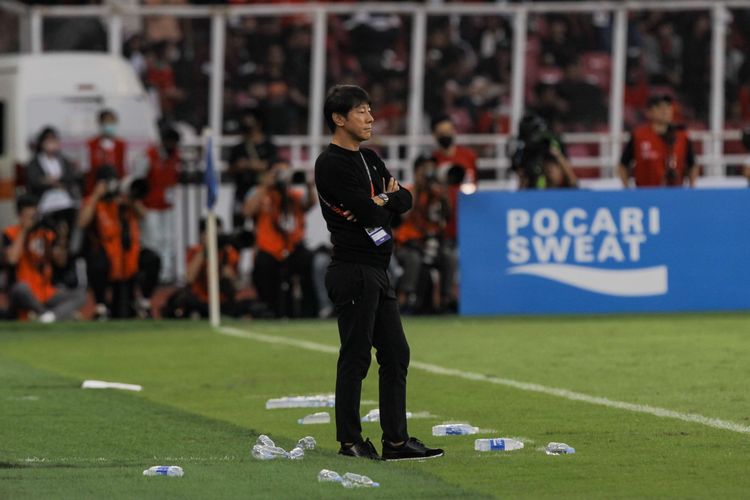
x=532, y=147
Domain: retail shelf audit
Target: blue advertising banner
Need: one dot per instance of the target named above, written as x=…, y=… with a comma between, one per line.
x=567, y=251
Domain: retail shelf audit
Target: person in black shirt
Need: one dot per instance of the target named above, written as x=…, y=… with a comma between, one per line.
x=248, y=159
x=358, y=198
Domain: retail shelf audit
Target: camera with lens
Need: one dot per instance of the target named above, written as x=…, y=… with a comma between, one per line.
x=533, y=146
x=450, y=175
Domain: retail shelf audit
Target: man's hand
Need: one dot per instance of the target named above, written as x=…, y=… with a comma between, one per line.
x=392, y=186
x=100, y=189
x=350, y=216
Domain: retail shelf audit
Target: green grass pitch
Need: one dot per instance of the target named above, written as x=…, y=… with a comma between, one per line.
x=203, y=405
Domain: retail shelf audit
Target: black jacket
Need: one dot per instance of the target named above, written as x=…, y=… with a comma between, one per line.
x=35, y=175
x=343, y=184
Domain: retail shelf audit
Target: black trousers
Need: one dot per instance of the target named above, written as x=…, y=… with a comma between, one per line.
x=270, y=277
x=368, y=317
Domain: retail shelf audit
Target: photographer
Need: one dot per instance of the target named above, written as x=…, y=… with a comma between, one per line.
x=281, y=257
x=659, y=153
x=449, y=154
x=115, y=260
x=32, y=249
x=539, y=158
x=421, y=242
x=193, y=298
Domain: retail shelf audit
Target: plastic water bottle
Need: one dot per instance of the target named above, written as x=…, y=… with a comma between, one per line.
x=453, y=430
x=329, y=476
x=322, y=417
x=262, y=452
x=559, y=449
x=265, y=441
x=319, y=400
x=498, y=444
x=307, y=443
x=372, y=416
x=164, y=470
x=297, y=453
x=351, y=480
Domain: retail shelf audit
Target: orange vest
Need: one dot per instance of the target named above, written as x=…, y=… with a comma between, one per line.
x=652, y=155
x=35, y=265
x=123, y=262
x=228, y=256
x=104, y=151
x=279, y=233
x=416, y=226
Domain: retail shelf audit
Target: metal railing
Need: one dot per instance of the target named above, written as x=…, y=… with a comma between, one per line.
x=494, y=156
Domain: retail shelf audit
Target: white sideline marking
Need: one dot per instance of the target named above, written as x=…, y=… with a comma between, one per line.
x=695, y=418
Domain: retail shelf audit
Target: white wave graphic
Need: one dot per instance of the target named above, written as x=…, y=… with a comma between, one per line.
x=643, y=282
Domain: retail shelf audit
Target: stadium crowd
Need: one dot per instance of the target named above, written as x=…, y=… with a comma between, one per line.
x=89, y=241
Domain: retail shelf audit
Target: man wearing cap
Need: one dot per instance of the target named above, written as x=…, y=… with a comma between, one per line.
x=659, y=153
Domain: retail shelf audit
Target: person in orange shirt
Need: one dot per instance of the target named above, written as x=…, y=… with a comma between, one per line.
x=158, y=224
x=659, y=153
x=105, y=149
x=281, y=257
x=420, y=239
x=193, y=298
x=32, y=248
x=115, y=260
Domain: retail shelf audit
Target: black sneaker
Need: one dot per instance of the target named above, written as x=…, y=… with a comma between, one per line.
x=413, y=449
x=363, y=449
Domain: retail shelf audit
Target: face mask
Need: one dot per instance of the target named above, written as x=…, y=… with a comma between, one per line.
x=445, y=141
x=109, y=129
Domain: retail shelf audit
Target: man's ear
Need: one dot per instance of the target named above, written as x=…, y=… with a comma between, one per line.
x=338, y=119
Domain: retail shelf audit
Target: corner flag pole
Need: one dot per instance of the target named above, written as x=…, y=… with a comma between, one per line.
x=212, y=194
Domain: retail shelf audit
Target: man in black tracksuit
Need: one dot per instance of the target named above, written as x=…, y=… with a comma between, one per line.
x=358, y=198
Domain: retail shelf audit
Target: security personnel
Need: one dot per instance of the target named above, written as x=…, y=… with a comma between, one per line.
x=358, y=199
x=105, y=149
x=659, y=153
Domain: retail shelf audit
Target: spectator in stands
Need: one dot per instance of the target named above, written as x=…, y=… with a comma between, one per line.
x=281, y=258
x=32, y=249
x=50, y=169
x=558, y=47
x=192, y=300
x=162, y=175
x=584, y=100
x=662, y=54
x=105, y=149
x=249, y=159
x=115, y=260
x=448, y=155
x=659, y=153
x=421, y=241
x=160, y=76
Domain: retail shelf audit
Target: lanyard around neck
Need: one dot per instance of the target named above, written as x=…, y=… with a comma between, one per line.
x=369, y=176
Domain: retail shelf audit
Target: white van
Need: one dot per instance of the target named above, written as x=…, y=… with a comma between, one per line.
x=66, y=90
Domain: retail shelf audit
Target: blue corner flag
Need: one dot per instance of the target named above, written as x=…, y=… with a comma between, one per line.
x=209, y=177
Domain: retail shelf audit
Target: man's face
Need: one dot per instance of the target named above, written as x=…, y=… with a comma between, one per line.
x=27, y=216
x=357, y=122
x=662, y=113
x=445, y=134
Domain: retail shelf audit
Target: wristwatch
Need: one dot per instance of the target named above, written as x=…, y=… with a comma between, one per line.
x=384, y=197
